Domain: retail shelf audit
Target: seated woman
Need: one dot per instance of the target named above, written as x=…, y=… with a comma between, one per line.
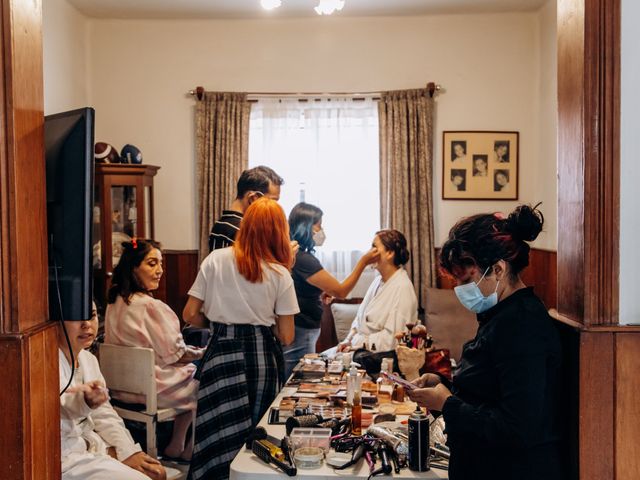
x=89, y=426
x=135, y=319
x=390, y=301
x=311, y=280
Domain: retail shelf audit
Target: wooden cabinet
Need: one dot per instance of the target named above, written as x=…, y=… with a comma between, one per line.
x=123, y=208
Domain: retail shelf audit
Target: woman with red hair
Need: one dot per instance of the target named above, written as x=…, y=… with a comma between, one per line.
x=246, y=292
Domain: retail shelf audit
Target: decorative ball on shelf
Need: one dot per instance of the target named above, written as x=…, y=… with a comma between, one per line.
x=131, y=154
x=105, y=153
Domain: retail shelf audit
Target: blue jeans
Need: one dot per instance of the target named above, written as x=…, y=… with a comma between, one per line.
x=304, y=342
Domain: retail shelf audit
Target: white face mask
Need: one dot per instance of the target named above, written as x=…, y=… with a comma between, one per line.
x=319, y=237
x=471, y=297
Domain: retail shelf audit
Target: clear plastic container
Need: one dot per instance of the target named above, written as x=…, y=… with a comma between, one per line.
x=311, y=437
x=308, y=457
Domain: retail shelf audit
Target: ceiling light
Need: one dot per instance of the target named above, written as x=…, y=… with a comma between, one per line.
x=270, y=4
x=327, y=7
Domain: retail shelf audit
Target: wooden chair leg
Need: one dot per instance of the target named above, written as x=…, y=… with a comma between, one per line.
x=152, y=448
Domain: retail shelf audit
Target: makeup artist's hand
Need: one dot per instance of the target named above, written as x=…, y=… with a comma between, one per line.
x=432, y=398
x=371, y=256
x=326, y=299
x=95, y=393
x=295, y=246
x=427, y=380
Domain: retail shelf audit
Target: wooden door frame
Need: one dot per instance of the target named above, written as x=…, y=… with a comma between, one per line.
x=30, y=420
x=589, y=36
x=588, y=160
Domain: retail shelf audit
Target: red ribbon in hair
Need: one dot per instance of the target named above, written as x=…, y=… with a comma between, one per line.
x=134, y=242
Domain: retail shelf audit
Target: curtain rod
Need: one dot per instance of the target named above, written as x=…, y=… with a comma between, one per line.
x=198, y=92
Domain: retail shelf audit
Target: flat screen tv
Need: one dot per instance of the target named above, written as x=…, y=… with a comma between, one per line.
x=69, y=139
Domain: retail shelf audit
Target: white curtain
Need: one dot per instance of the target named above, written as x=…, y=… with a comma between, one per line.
x=327, y=151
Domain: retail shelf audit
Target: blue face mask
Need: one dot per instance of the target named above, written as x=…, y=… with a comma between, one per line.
x=472, y=298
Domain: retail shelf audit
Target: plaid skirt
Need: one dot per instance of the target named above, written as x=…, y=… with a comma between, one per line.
x=240, y=375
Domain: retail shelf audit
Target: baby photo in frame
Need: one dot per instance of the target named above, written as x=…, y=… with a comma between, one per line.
x=480, y=165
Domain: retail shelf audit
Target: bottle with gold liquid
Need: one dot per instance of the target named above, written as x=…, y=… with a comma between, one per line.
x=354, y=398
x=356, y=415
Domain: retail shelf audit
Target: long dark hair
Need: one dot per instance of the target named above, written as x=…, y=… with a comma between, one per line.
x=124, y=283
x=301, y=220
x=483, y=240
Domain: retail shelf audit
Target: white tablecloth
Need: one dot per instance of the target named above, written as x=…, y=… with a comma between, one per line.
x=246, y=466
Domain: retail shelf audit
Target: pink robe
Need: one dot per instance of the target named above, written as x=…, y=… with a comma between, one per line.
x=147, y=322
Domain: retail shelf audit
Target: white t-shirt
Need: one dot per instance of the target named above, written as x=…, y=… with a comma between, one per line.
x=229, y=298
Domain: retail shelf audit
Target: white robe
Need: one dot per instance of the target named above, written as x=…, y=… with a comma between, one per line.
x=86, y=433
x=385, y=309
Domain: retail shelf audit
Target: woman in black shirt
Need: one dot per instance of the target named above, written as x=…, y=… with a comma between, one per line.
x=501, y=410
x=311, y=280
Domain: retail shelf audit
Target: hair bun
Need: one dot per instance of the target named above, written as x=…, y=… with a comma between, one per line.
x=525, y=223
x=403, y=255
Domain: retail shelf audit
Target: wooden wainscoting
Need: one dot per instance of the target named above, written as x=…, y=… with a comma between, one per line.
x=542, y=274
x=180, y=270
x=627, y=412
x=609, y=407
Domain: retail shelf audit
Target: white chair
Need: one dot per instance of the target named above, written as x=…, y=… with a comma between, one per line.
x=132, y=370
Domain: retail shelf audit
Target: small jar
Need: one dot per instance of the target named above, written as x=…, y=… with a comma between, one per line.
x=398, y=393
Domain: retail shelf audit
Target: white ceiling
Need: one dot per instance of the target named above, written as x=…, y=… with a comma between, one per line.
x=291, y=8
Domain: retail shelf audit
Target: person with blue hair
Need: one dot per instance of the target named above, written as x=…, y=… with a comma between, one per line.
x=311, y=280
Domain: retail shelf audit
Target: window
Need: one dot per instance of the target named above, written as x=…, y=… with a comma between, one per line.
x=328, y=154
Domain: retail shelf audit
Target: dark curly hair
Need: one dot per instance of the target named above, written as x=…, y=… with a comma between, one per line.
x=483, y=240
x=124, y=283
x=395, y=242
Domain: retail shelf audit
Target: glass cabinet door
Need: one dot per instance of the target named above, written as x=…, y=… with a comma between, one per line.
x=147, y=212
x=96, y=229
x=124, y=215
x=99, y=286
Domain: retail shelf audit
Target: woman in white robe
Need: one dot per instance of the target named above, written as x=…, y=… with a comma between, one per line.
x=91, y=429
x=390, y=301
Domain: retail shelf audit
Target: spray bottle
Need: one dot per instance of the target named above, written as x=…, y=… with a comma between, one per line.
x=354, y=398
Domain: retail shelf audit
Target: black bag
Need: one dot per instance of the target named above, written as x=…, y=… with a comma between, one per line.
x=372, y=361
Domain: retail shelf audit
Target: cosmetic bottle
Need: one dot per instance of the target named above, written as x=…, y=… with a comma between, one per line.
x=354, y=398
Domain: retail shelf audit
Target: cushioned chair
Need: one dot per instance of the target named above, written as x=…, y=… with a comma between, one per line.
x=336, y=320
x=132, y=370
x=343, y=316
x=448, y=322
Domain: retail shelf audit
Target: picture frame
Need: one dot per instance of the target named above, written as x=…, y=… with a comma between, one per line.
x=480, y=165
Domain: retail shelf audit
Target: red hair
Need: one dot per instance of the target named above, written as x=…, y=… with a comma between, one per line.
x=263, y=237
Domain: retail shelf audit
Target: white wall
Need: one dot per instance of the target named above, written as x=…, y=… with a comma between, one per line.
x=629, y=165
x=65, y=52
x=490, y=66
x=498, y=72
x=545, y=179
